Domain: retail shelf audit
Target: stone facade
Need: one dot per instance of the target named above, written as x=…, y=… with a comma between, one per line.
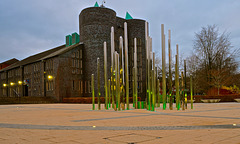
x=95, y=27
x=66, y=71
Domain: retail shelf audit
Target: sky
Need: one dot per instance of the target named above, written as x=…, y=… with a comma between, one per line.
x=28, y=27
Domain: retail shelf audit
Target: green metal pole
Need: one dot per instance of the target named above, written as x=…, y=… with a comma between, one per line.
x=114, y=91
x=177, y=84
x=153, y=83
x=163, y=68
x=185, y=83
x=153, y=95
x=191, y=92
x=170, y=70
x=116, y=79
x=133, y=82
x=93, y=93
x=112, y=86
x=135, y=72
x=150, y=82
x=98, y=83
x=182, y=99
x=105, y=75
x=147, y=47
x=155, y=86
x=118, y=83
x=158, y=93
x=109, y=93
x=126, y=64
x=149, y=74
x=121, y=69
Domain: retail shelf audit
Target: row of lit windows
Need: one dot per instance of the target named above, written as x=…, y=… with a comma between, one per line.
x=49, y=85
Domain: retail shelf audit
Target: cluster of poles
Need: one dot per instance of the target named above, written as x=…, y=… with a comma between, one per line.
x=117, y=87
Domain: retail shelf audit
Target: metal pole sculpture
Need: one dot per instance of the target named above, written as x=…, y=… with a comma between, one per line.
x=150, y=79
x=105, y=75
x=114, y=89
x=112, y=65
x=147, y=47
x=122, y=82
x=155, y=86
x=112, y=46
x=153, y=83
x=153, y=96
x=93, y=93
x=191, y=92
x=158, y=92
x=185, y=83
x=177, y=84
x=135, y=73
x=170, y=70
x=109, y=93
x=126, y=64
x=98, y=83
x=112, y=85
x=182, y=95
x=149, y=73
x=118, y=82
x=163, y=68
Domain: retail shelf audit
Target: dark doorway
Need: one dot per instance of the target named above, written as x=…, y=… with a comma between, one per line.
x=25, y=90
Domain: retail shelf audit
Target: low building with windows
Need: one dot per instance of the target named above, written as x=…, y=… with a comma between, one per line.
x=65, y=71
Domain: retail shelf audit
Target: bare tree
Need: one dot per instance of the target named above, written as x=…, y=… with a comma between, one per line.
x=213, y=62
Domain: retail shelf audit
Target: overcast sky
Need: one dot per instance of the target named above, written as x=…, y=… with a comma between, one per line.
x=28, y=27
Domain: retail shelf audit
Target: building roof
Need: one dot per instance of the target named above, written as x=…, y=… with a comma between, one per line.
x=41, y=56
x=11, y=61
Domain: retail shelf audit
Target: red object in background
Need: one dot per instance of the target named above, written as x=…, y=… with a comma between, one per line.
x=214, y=91
x=7, y=63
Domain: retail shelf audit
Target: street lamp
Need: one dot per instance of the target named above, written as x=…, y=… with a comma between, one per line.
x=4, y=85
x=50, y=77
x=12, y=84
x=20, y=82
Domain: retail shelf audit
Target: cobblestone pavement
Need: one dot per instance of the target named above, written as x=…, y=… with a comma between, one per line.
x=77, y=123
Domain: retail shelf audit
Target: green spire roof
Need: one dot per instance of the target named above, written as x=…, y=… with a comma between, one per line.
x=96, y=5
x=128, y=16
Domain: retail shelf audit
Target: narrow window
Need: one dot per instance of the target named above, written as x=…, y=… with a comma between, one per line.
x=73, y=85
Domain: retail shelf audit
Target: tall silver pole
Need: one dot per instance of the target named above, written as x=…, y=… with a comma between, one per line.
x=163, y=68
x=98, y=83
x=149, y=73
x=153, y=83
x=112, y=46
x=126, y=64
x=170, y=70
x=135, y=73
x=118, y=82
x=93, y=93
x=147, y=47
x=105, y=74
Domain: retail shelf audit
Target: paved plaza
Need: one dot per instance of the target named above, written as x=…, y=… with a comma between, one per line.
x=76, y=123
